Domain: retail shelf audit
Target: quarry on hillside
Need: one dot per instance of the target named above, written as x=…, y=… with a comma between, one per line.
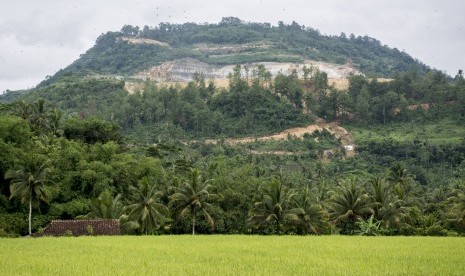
x=183, y=70
x=134, y=40
x=133, y=86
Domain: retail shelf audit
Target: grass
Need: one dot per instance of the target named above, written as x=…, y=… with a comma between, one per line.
x=233, y=255
x=443, y=132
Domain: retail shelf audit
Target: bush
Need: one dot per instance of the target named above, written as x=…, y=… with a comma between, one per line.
x=435, y=230
x=90, y=230
x=5, y=234
x=15, y=223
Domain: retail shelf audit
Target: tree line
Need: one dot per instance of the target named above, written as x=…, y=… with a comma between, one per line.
x=60, y=159
x=53, y=168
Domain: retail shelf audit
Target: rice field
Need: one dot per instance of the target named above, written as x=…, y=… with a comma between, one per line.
x=233, y=255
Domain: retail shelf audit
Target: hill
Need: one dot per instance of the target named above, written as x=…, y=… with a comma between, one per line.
x=106, y=131
x=161, y=52
x=279, y=58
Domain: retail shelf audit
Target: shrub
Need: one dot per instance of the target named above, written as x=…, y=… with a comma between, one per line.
x=435, y=230
x=13, y=223
x=5, y=234
x=90, y=230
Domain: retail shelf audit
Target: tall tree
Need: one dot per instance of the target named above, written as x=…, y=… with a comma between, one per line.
x=105, y=206
x=387, y=206
x=192, y=199
x=23, y=110
x=400, y=178
x=273, y=206
x=458, y=203
x=146, y=212
x=39, y=118
x=308, y=216
x=350, y=205
x=30, y=182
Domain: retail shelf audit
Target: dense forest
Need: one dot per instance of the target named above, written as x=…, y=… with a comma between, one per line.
x=85, y=148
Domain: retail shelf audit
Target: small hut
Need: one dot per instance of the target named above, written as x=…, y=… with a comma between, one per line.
x=85, y=227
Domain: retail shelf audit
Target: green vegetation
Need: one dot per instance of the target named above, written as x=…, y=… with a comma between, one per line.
x=441, y=132
x=167, y=178
x=311, y=144
x=206, y=255
x=198, y=110
x=161, y=159
x=114, y=55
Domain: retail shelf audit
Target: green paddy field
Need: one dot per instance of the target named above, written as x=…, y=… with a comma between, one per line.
x=233, y=255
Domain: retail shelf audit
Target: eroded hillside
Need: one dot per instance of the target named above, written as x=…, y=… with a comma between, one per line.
x=183, y=70
x=344, y=136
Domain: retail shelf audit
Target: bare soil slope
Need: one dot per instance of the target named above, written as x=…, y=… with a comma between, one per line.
x=339, y=132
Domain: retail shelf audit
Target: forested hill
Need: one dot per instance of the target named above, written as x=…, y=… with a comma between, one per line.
x=233, y=41
x=378, y=157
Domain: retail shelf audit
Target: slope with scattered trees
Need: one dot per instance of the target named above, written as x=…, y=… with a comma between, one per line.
x=233, y=41
x=81, y=146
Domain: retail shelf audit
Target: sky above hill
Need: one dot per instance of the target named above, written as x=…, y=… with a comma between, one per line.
x=38, y=38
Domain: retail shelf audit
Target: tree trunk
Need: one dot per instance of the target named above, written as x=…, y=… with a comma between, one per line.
x=193, y=222
x=342, y=114
x=384, y=113
x=30, y=212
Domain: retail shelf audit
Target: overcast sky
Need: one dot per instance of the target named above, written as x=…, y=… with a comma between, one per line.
x=37, y=38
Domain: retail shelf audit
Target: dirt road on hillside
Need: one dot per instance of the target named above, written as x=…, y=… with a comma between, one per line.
x=339, y=132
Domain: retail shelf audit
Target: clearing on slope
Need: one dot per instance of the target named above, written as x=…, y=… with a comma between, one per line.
x=345, y=137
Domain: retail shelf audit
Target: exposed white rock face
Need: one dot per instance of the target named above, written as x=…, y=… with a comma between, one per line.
x=134, y=40
x=184, y=69
x=349, y=147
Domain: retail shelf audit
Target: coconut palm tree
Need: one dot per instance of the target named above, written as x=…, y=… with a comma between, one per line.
x=105, y=207
x=54, y=119
x=146, y=213
x=308, y=216
x=350, y=205
x=192, y=199
x=401, y=179
x=39, y=118
x=30, y=183
x=458, y=201
x=273, y=206
x=387, y=206
x=23, y=110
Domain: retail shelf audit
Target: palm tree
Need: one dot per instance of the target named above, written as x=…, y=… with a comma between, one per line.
x=105, y=207
x=39, y=116
x=400, y=178
x=458, y=201
x=54, y=118
x=146, y=213
x=23, y=110
x=273, y=206
x=308, y=216
x=387, y=206
x=30, y=183
x=192, y=198
x=349, y=206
